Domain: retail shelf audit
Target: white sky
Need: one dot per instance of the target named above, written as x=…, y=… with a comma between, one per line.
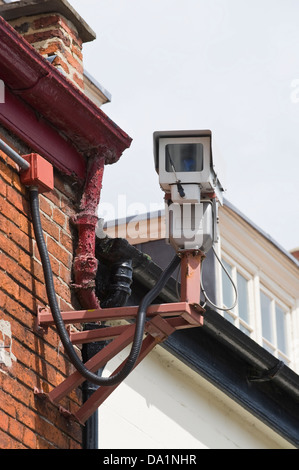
x=231, y=66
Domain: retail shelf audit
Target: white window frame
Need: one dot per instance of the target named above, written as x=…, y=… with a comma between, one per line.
x=259, y=282
x=273, y=346
x=234, y=313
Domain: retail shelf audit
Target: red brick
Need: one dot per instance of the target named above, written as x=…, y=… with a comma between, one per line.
x=27, y=262
x=47, y=34
x=75, y=63
x=77, y=51
x=8, y=286
x=55, y=265
x=52, y=48
x=11, y=213
x=46, y=429
x=18, y=274
x=52, y=196
x=7, y=404
x=62, y=63
x=14, y=309
x=56, y=20
x=45, y=205
x=42, y=360
x=13, y=233
x=8, y=246
x=66, y=241
x=78, y=80
x=7, y=442
x=62, y=289
x=7, y=210
x=60, y=253
x=16, y=389
x=2, y=188
x=5, y=172
x=15, y=428
x=15, y=181
x=59, y=217
x=64, y=274
x=72, y=33
x=44, y=21
x=27, y=299
x=39, y=291
x=17, y=200
x=52, y=229
x=4, y=420
x=65, y=306
x=30, y=439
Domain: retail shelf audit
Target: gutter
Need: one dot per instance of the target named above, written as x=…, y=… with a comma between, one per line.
x=38, y=84
x=265, y=367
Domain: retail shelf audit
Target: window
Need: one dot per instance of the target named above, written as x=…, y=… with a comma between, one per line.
x=273, y=326
x=240, y=314
x=270, y=328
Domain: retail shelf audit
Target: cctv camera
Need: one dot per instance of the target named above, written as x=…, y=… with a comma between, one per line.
x=185, y=164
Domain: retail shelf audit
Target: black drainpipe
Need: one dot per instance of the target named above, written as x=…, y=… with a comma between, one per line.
x=115, y=294
x=91, y=427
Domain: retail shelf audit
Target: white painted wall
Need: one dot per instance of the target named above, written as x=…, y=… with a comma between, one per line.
x=164, y=404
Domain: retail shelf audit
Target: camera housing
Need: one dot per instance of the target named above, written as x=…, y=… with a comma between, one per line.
x=185, y=163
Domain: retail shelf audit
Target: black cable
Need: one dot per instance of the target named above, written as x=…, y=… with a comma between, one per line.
x=65, y=339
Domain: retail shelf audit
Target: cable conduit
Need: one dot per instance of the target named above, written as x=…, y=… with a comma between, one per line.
x=23, y=164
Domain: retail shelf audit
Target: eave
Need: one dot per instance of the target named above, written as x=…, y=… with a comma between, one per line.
x=49, y=113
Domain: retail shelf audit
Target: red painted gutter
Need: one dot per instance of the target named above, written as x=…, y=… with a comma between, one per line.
x=39, y=85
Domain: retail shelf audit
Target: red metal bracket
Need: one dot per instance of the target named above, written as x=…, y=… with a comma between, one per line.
x=163, y=320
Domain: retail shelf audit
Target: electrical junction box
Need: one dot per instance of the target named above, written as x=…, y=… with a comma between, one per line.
x=39, y=174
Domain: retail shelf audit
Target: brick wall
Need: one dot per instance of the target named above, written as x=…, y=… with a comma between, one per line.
x=54, y=35
x=28, y=359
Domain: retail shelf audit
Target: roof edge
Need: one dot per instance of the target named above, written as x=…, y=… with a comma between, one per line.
x=261, y=232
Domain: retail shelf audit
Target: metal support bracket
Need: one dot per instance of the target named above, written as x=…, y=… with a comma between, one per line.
x=162, y=321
